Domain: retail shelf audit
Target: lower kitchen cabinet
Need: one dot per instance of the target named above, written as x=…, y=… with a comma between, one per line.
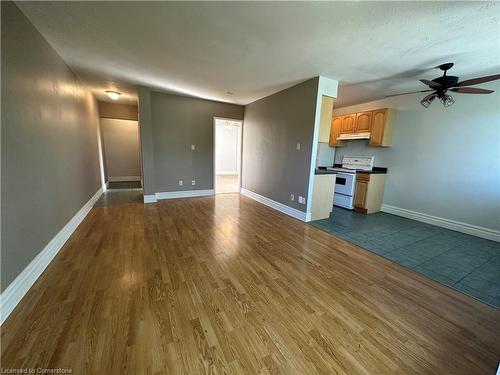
x=369, y=192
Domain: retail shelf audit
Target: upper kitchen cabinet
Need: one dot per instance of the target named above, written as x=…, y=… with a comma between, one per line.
x=348, y=123
x=325, y=119
x=335, y=132
x=376, y=126
x=382, y=127
x=363, y=122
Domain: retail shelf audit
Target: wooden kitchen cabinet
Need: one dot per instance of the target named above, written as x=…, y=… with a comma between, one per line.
x=369, y=192
x=335, y=132
x=379, y=123
x=382, y=127
x=348, y=122
x=360, y=196
x=363, y=122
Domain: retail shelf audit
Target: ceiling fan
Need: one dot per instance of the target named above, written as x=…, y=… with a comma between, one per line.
x=441, y=85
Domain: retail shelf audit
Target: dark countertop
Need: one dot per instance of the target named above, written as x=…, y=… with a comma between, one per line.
x=323, y=170
x=375, y=170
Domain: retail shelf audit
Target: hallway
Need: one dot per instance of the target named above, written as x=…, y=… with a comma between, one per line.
x=125, y=192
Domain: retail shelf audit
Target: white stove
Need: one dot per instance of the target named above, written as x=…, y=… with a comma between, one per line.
x=346, y=178
x=341, y=170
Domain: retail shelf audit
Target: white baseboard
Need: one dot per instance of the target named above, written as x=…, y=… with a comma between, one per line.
x=153, y=198
x=150, y=198
x=25, y=280
x=490, y=234
x=122, y=190
x=184, y=194
x=124, y=178
x=290, y=211
x=227, y=172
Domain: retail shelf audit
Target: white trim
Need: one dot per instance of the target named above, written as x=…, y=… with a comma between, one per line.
x=184, y=194
x=290, y=211
x=490, y=234
x=101, y=157
x=239, y=151
x=25, y=280
x=124, y=178
x=326, y=87
x=227, y=172
x=150, y=198
x=122, y=190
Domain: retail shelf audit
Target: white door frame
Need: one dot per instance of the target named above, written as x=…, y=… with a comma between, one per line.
x=238, y=153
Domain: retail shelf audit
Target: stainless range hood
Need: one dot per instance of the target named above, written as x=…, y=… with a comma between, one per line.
x=344, y=137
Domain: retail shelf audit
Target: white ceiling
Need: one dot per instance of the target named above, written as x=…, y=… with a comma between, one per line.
x=253, y=49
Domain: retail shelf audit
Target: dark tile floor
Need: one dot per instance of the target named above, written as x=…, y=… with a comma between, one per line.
x=467, y=263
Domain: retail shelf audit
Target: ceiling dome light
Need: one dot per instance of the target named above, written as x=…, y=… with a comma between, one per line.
x=113, y=94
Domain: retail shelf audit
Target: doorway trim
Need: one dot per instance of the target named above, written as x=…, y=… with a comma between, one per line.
x=238, y=152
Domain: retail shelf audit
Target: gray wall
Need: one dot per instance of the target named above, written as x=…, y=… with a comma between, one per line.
x=177, y=122
x=444, y=161
x=272, y=166
x=121, y=147
x=50, y=165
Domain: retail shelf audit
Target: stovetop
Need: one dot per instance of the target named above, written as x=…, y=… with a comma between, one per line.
x=342, y=170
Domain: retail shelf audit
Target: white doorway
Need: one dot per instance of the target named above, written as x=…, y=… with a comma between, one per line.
x=227, y=155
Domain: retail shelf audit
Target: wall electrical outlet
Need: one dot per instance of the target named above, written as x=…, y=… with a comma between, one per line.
x=302, y=200
x=298, y=146
x=292, y=197
x=193, y=147
x=181, y=183
x=193, y=182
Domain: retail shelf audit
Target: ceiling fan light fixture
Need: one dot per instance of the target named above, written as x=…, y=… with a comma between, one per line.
x=447, y=100
x=426, y=103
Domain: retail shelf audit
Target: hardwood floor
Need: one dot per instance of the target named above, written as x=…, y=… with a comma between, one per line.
x=226, y=183
x=225, y=285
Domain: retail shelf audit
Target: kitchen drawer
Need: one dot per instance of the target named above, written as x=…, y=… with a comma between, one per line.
x=363, y=176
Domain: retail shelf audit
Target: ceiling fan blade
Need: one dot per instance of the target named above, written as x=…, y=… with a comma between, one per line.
x=430, y=96
x=477, y=81
x=431, y=84
x=471, y=90
x=406, y=93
